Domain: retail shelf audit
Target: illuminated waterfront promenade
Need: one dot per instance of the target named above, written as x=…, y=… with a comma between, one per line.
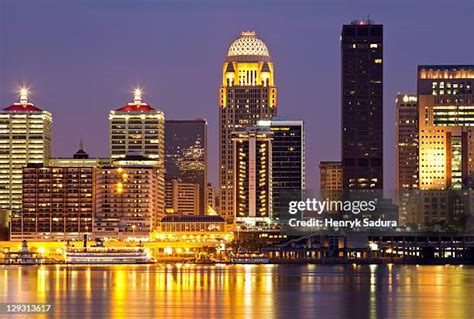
x=266, y=291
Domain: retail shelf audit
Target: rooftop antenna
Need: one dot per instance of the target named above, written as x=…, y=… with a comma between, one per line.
x=137, y=96
x=24, y=95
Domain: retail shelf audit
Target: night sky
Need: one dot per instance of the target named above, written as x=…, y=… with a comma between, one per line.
x=81, y=59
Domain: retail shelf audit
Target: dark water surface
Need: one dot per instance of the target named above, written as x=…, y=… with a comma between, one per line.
x=243, y=291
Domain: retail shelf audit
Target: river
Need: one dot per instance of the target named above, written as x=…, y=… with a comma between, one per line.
x=243, y=291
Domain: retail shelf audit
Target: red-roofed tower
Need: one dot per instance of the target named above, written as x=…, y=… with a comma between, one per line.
x=25, y=137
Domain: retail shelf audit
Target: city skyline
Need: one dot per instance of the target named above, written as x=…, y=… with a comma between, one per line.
x=103, y=93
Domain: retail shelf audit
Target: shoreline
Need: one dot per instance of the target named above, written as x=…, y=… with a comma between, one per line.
x=364, y=262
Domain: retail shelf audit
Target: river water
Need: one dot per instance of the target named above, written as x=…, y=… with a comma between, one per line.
x=242, y=291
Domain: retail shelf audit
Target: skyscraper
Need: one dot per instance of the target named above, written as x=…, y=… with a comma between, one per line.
x=25, y=137
x=247, y=94
x=362, y=105
x=288, y=162
x=186, y=155
x=407, y=158
x=407, y=141
x=137, y=128
x=253, y=176
x=445, y=108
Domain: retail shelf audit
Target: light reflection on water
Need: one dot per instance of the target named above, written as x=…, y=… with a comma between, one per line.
x=234, y=291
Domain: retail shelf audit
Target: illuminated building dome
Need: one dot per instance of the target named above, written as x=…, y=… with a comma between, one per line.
x=247, y=47
x=137, y=105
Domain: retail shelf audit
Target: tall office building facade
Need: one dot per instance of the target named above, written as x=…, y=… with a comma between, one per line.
x=362, y=105
x=446, y=121
x=252, y=176
x=137, y=128
x=407, y=158
x=407, y=141
x=25, y=137
x=186, y=155
x=247, y=94
x=288, y=162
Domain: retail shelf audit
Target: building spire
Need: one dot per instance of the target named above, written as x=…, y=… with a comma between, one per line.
x=81, y=154
x=137, y=96
x=24, y=95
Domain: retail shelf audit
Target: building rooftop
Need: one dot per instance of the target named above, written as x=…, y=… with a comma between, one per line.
x=22, y=105
x=247, y=47
x=192, y=219
x=137, y=105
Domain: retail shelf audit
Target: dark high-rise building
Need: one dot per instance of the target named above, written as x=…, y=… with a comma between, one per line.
x=407, y=141
x=407, y=158
x=186, y=155
x=288, y=162
x=247, y=94
x=362, y=105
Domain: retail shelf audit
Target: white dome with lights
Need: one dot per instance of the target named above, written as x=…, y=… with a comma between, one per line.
x=248, y=47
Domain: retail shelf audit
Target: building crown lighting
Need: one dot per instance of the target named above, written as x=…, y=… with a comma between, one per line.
x=24, y=95
x=247, y=44
x=137, y=96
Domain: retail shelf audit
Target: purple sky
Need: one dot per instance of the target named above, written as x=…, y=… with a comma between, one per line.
x=82, y=59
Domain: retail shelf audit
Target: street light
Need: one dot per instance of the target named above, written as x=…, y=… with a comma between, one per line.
x=133, y=231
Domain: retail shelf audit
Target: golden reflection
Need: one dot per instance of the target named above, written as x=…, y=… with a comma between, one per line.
x=5, y=281
x=245, y=291
x=373, y=291
x=41, y=284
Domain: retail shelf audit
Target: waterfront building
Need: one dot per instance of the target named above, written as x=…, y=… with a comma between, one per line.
x=182, y=198
x=247, y=94
x=186, y=156
x=446, y=134
x=288, y=162
x=58, y=204
x=407, y=141
x=446, y=145
x=362, y=105
x=58, y=199
x=186, y=223
x=129, y=198
x=252, y=176
x=407, y=157
x=137, y=128
x=25, y=137
x=191, y=232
